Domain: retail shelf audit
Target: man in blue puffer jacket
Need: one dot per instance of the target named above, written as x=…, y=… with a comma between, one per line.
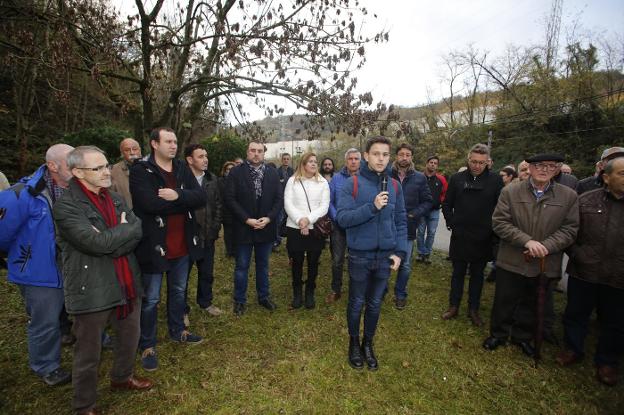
x=28, y=235
x=372, y=211
x=418, y=202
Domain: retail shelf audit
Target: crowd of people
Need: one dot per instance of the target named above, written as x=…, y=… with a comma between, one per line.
x=94, y=241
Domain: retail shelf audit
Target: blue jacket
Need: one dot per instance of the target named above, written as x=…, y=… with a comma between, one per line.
x=334, y=187
x=418, y=200
x=372, y=232
x=32, y=255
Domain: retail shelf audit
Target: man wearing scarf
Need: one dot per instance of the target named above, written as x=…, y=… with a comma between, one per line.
x=254, y=195
x=97, y=233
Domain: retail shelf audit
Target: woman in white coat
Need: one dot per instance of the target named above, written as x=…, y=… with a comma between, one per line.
x=306, y=199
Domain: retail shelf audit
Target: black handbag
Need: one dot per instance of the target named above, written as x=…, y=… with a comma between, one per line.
x=323, y=226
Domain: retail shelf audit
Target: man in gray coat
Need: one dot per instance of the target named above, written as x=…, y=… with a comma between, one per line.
x=535, y=218
x=97, y=233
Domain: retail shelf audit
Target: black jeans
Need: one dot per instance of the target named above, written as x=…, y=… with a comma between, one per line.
x=583, y=297
x=475, y=285
x=338, y=248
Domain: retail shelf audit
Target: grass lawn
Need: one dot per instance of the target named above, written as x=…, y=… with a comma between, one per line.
x=295, y=362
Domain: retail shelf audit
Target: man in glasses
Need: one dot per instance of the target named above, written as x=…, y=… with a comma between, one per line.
x=120, y=173
x=97, y=233
x=470, y=200
x=535, y=218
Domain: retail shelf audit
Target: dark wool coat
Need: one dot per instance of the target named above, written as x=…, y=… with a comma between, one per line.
x=240, y=198
x=468, y=208
x=145, y=180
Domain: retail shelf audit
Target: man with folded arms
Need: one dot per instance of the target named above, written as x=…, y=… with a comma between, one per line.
x=97, y=233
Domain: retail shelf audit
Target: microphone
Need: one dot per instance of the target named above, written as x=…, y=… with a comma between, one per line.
x=384, y=183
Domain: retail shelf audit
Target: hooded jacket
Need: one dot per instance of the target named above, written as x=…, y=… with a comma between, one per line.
x=372, y=232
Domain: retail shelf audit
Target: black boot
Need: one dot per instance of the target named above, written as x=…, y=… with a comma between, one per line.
x=309, y=294
x=355, y=355
x=369, y=353
x=297, y=296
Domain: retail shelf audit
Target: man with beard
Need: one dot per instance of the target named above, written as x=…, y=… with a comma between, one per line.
x=417, y=202
x=429, y=220
x=327, y=169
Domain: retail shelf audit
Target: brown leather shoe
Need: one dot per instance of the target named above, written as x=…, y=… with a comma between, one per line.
x=133, y=383
x=607, y=375
x=567, y=357
x=475, y=318
x=450, y=313
x=89, y=412
x=332, y=297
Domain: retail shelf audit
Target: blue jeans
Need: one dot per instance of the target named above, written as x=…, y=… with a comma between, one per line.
x=368, y=278
x=44, y=306
x=428, y=223
x=241, y=270
x=177, y=279
x=400, y=288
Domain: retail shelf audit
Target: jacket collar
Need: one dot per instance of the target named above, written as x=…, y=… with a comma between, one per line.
x=365, y=171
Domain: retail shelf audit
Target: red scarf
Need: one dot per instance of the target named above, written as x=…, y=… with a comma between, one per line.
x=104, y=204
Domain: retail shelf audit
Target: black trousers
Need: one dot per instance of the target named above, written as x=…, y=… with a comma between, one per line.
x=475, y=285
x=583, y=298
x=297, y=258
x=513, y=313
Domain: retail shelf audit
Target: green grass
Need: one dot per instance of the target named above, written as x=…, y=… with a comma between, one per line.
x=294, y=362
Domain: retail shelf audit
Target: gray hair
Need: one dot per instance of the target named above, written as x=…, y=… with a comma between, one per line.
x=76, y=157
x=58, y=153
x=608, y=169
x=479, y=149
x=351, y=151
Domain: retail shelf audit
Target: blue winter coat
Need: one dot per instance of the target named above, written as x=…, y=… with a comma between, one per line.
x=334, y=187
x=418, y=200
x=32, y=251
x=370, y=231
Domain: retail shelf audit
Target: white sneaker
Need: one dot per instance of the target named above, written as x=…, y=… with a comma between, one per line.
x=213, y=310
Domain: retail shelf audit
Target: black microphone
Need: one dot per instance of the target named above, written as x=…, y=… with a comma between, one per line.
x=384, y=183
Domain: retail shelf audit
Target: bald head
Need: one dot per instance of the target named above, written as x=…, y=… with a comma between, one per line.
x=130, y=149
x=56, y=161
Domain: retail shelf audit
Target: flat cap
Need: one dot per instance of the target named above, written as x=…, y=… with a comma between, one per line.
x=612, y=153
x=545, y=157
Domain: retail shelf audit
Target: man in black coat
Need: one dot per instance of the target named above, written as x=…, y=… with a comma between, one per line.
x=254, y=195
x=470, y=200
x=165, y=195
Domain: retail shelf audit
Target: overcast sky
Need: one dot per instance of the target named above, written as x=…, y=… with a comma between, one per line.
x=401, y=70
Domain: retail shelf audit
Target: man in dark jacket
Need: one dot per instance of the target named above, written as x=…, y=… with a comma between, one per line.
x=255, y=196
x=97, y=233
x=28, y=236
x=596, y=280
x=165, y=195
x=372, y=211
x=209, y=219
x=595, y=181
x=284, y=172
x=535, y=218
x=429, y=220
x=468, y=206
x=417, y=203
x=338, y=239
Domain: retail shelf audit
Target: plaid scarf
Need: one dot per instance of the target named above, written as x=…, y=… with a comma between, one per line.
x=104, y=204
x=54, y=189
x=257, y=174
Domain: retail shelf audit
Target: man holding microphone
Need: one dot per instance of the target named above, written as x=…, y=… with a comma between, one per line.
x=371, y=209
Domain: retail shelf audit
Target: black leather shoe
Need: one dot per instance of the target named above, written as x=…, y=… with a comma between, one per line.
x=268, y=304
x=369, y=354
x=355, y=354
x=492, y=343
x=239, y=309
x=526, y=348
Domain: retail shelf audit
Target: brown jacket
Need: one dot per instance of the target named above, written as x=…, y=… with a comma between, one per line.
x=598, y=254
x=120, y=176
x=519, y=217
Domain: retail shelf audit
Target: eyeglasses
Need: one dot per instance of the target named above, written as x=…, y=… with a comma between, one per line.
x=545, y=167
x=98, y=169
x=477, y=162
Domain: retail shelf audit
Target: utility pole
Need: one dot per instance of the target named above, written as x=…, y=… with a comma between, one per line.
x=490, y=139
